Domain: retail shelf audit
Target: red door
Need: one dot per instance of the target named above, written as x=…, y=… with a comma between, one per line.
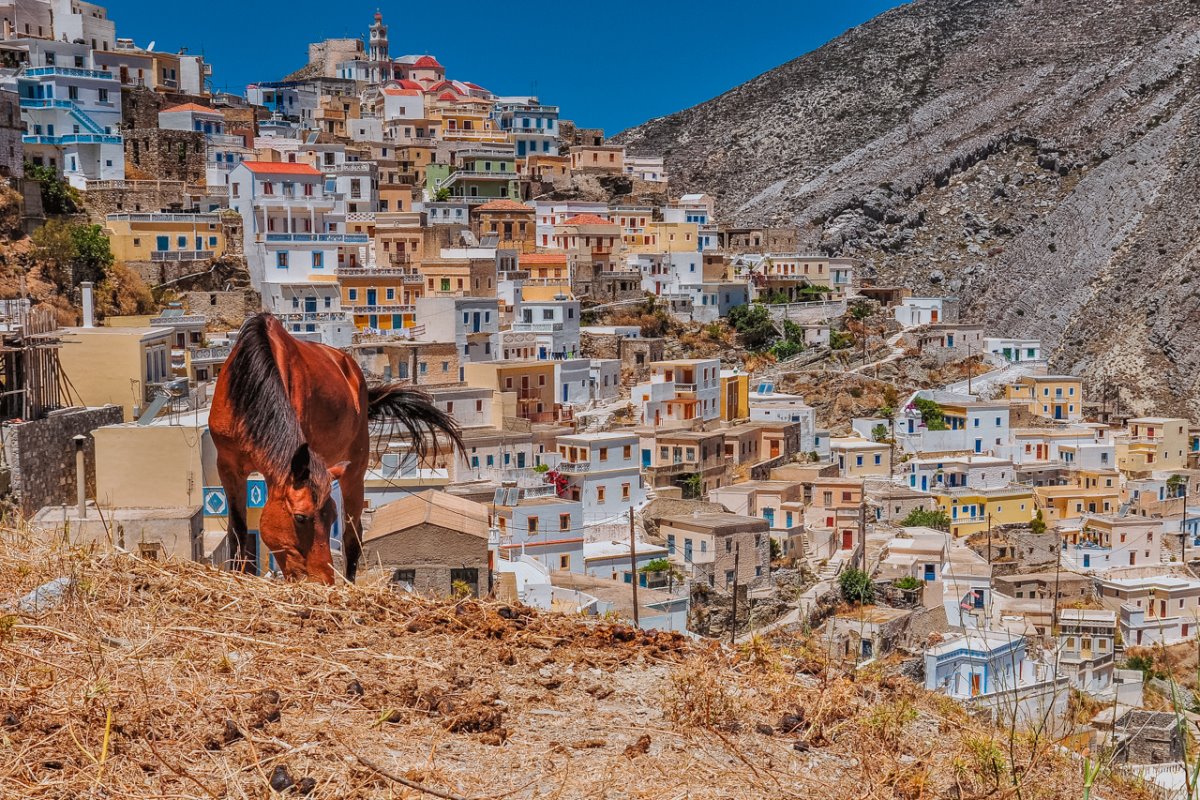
x=847, y=540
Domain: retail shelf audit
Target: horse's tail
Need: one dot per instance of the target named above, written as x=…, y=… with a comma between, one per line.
x=414, y=411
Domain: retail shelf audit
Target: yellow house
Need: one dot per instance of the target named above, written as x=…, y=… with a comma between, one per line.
x=1153, y=443
x=968, y=508
x=155, y=466
x=164, y=237
x=857, y=457
x=120, y=366
x=1052, y=396
x=532, y=383
x=735, y=395
x=1058, y=503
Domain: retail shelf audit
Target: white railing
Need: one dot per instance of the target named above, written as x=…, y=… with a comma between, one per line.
x=574, y=466
x=536, y=327
x=181, y=255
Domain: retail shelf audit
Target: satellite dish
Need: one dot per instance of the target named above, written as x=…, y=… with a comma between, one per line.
x=150, y=47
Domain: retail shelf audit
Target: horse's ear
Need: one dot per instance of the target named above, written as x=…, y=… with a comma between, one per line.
x=338, y=470
x=301, y=464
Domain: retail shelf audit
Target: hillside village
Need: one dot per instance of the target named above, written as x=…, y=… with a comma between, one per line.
x=682, y=424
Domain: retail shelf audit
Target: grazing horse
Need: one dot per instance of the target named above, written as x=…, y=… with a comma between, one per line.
x=299, y=412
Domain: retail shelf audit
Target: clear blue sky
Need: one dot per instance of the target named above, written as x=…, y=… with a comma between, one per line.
x=605, y=64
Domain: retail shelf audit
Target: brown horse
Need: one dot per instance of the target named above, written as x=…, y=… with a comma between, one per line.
x=299, y=412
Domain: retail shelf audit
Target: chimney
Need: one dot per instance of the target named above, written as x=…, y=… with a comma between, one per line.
x=89, y=307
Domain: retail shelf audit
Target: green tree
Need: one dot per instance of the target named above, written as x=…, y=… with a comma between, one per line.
x=931, y=414
x=1176, y=486
x=441, y=195
x=880, y=433
x=58, y=196
x=856, y=587
x=693, y=486
x=754, y=326
x=663, y=566
x=908, y=583
x=1038, y=524
x=926, y=518
x=93, y=254
x=860, y=309
x=840, y=340
x=54, y=250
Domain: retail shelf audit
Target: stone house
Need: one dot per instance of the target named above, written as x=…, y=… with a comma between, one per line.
x=432, y=541
x=707, y=546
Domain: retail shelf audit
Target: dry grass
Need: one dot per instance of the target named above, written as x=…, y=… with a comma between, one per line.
x=156, y=680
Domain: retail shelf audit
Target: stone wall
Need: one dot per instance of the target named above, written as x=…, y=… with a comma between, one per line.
x=140, y=107
x=41, y=454
x=156, y=273
x=134, y=196
x=220, y=309
x=165, y=155
x=636, y=355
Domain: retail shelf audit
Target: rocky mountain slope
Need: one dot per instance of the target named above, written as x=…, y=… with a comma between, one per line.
x=1037, y=158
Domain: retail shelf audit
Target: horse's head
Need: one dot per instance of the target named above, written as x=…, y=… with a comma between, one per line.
x=299, y=517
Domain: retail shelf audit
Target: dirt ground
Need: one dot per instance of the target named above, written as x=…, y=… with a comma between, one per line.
x=161, y=680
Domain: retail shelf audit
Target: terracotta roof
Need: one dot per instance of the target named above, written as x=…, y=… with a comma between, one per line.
x=447, y=96
x=436, y=508
x=192, y=107
x=279, y=168
x=504, y=205
x=407, y=84
x=403, y=92
x=588, y=219
x=474, y=86
x=427, y=62
x=542, y=258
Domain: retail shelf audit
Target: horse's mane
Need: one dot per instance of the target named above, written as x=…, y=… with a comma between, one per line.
x=262, y=410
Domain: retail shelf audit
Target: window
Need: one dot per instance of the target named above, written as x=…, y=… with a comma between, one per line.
x=599, y=494
x=625, y=494
x=564, y=522
x=604, y=454
x=532, y=524
x=628, y=452
x=318, y=259
x=729, y=545
x=470, y=577
x=281, y=259
x=564, y=562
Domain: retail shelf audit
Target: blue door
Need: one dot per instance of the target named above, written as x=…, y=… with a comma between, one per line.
x=162, y=243
x=687, y=551
x=1087, y=561
x=475, y=323
x=310, y=305
x=372, y=297
x=645, y=458
x=979, y=445
x=924, y=483
x=521, y=460
x=564, y=393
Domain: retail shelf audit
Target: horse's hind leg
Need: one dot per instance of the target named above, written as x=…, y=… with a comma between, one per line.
x=352, y=539
x=234, y=481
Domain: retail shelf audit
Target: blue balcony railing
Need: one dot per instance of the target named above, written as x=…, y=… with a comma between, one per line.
x=70, y=72
x=330, y=238
x=73, y=138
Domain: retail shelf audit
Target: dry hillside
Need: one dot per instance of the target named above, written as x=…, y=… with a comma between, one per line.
x=1036, y=158
x=147, y=680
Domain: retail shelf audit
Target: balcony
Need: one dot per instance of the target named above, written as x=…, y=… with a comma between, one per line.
x=69, y=72
x=181, y=255
x=350, y=167
x=225, y=140
x=210, y=355
x=574, y=467
x=180, y=321
x=407, y=275
x=529, y=393
x=313, y=316
x=537, y=327
x=318, y=238
x=73, y=138
x=685, y=387
x=363, y=308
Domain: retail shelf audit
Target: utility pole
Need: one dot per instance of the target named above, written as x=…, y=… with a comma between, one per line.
x=633, y=567
x=970, y=371
x=862, y=534
x=989, y=521
x=1057, y=569
x=737, y=553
